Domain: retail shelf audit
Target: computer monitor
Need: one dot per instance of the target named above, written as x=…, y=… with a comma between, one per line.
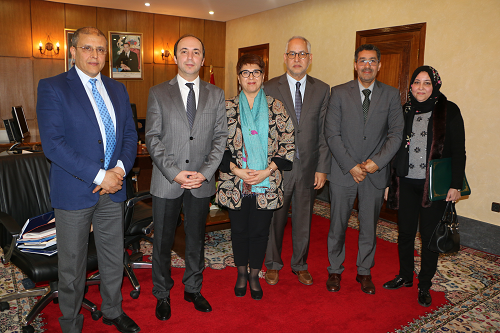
x=19, y=128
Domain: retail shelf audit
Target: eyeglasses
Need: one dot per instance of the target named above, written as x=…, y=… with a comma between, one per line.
x=292, y=54
x=372, y=62
x=256, y=73
x=89, y=49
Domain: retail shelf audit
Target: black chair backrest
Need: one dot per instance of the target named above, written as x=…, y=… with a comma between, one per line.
x=24, y=188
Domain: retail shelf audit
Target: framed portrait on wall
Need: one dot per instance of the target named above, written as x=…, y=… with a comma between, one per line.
x=125, y=55
x=69, y=62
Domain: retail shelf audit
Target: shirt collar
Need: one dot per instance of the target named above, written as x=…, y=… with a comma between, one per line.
x=292, y=81
x=182, y=81
x=85, y=78
x=361, y=87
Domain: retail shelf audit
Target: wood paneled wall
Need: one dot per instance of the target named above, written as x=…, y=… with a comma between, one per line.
x=25, y=23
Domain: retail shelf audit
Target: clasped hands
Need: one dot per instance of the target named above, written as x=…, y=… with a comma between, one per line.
x=250, y=176
x=112, y=182
x=359, y=171
x=189, y=179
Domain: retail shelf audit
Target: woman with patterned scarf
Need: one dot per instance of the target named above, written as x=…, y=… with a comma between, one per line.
x=434, y=129
x=259, y=147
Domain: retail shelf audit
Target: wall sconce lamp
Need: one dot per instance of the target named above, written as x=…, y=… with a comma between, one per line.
x=48, y=47
x=164, y=54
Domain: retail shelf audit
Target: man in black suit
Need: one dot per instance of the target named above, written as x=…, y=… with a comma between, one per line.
x=306, y=101
x=128, y=60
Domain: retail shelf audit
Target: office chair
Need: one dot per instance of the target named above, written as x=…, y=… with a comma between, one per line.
x=24, y=188
x=138, y=224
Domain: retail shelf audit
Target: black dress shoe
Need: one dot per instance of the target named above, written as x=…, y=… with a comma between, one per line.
x=123, y=323
x=256, y=294
x=200, y=303
x=163, y=311
x=424, y=298
x=397, y=283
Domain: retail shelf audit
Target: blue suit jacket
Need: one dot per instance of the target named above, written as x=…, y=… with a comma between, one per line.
x=72, y=141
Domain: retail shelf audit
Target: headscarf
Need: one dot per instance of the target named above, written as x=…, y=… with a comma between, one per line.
x=427, y=105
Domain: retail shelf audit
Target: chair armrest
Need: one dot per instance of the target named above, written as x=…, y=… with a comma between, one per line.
x=14, y=229
x=138, y=197
x=10, y=224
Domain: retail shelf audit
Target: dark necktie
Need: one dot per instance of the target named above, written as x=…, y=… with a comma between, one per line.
x=366, y=102
x=298, y=101
x=109, y=127
x=191, y=105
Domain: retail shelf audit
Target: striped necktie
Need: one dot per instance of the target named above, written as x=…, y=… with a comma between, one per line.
x=191, y=105
x=298, y=101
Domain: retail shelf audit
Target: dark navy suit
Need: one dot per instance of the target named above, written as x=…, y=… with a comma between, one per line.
x=72, y=141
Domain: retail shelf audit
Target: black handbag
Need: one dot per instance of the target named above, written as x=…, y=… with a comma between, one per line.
x=446, y=238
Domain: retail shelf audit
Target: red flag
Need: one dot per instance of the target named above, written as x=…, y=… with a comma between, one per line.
x=212, y=80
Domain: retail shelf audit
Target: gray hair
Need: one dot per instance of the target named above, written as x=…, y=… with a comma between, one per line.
x=299, y=37
x=86, y=31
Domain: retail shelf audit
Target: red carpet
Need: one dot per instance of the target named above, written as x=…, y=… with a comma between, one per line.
x=287, y=306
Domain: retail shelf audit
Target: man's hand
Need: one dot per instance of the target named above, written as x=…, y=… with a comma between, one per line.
x=369, y=166
x=194, y=181
x=182, y=177
x=112, y=182
x=319, y=180
x=357, y=173
x=453, y=195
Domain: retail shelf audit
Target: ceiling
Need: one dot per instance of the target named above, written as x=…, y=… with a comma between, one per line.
x=224, y=10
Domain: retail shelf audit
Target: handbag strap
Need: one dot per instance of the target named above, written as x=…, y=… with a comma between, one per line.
x=450, y=209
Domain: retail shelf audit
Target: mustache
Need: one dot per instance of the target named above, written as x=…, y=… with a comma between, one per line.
x=369, y=70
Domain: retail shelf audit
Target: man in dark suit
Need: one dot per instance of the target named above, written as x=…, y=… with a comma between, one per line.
x=128, y=60
x=306, y=101
x=88, y=133
x=363, y=128
x=186, y=133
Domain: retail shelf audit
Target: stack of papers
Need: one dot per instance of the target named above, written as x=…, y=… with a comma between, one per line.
x=39, y=235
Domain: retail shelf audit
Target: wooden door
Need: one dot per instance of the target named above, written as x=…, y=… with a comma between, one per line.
x=402, y=51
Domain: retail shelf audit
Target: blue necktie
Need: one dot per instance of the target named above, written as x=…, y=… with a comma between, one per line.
x=109, y=127
x=191, y=105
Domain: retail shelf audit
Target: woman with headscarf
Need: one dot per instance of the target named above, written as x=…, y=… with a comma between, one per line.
x=434, y=129
x=260, y=145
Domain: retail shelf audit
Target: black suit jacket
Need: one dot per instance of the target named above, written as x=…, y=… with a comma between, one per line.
x=131, y=61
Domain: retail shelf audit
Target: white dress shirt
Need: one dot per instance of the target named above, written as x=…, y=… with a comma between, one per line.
x=185, y=89
x=104, y=94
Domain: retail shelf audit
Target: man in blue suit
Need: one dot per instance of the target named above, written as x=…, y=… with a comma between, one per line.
x=88, y=133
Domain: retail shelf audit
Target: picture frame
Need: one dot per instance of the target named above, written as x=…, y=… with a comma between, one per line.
x=121, y=65
x=69, y=62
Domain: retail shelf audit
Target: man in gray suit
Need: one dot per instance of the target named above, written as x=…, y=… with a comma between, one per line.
x=306, y=101
x=186, y=133
x=363, y=128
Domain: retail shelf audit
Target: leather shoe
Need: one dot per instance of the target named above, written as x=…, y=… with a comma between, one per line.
x=123, y=323
x=163, y=311
x=200, y=303
x=424, y=298
x=304, y=277
x=397, y=283
x=367, y=285
x=333, y=282
x=272, y=276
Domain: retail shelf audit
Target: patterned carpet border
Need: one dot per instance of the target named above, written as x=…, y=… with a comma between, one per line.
x=470, y=280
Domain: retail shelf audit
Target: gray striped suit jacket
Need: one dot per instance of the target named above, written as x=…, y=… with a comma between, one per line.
x=174, y=147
